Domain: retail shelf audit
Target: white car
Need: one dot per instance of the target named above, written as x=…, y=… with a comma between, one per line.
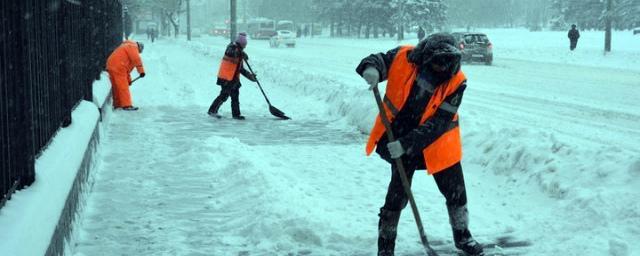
x=285, y=37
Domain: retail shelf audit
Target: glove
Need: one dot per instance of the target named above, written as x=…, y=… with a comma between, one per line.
x=253, y=77
x=142, y=74
x=245, y=56
x=395, y=149
x=372, y=76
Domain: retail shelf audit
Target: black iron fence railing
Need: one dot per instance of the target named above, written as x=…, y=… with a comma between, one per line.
x=51, y=51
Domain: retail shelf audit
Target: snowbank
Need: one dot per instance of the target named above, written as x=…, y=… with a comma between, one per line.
x=30, y=218
x=40, y=218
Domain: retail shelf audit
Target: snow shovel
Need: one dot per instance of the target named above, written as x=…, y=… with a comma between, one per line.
x=274, y=111
x=403, y=176
x=134, y=80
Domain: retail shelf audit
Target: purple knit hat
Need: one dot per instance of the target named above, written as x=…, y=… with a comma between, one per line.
x=242, y=39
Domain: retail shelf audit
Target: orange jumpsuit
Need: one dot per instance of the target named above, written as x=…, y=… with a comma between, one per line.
x=119, y=65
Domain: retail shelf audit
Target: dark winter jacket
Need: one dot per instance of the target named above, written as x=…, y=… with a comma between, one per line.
x=406, y=126
x=573, y=34
x=235, y=51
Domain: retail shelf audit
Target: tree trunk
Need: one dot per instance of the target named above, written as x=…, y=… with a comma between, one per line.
x=375, y=32
x=332, y=27
x=400, y=32
x=607, y=33
x=188, y=20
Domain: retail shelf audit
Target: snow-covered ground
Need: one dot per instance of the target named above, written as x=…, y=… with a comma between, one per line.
x=551, y=154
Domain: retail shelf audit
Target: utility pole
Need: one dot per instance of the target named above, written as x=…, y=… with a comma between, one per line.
x=188, y=20
x=125, y=22
x=233, y=22
x=244, y=13
x=607, y=33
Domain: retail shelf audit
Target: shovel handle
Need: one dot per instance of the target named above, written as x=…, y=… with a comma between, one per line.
x=134, y=80
x=258, y=82
x=403, y=176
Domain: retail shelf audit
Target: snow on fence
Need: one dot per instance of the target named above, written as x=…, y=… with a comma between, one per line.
x=51, y=53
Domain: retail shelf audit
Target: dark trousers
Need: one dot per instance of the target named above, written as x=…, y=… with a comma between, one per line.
x=573, y=44
x=450, y=183
x=225, y=93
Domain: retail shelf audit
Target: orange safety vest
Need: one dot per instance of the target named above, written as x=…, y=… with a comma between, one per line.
x=228, y=67
x=446, y=150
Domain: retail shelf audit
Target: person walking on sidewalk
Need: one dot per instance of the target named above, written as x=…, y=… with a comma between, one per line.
x=573, y=35
x=119, y=66
x=424, y=90
x=229, y=77
x=421, y=33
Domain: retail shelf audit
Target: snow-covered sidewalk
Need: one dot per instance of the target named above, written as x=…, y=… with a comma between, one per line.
x=539, y=165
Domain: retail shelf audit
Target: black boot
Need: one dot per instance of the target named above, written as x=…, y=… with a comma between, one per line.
x=459, y=219
x=387, y=231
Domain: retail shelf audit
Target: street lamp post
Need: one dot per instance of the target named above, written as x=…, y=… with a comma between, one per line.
x=233, y=23
x=607, y=33
x=125, y=16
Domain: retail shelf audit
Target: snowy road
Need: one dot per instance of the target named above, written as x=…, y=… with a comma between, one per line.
x=549, y=147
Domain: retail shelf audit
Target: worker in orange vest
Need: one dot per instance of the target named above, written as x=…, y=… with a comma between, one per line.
x=119, y=64
x=424, y=90
x=229, y=77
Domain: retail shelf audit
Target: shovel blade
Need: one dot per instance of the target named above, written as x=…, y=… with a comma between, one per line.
x=277, y=113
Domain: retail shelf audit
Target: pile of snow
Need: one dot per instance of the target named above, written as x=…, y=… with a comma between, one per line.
x=29, y=219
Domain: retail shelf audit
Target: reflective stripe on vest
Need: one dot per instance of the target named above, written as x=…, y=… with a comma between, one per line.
x=446, y=150
x=228, y=68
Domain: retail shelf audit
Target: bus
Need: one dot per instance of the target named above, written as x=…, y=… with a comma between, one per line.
x=261, y=28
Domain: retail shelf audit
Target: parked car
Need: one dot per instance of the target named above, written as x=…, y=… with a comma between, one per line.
x=474, y=46
x=285, y=37
x=220, y=31
x=636, y=30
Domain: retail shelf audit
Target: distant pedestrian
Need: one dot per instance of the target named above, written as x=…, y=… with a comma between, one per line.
x=154, y=34
x=119, y=64
x=421, y=33
x=229, y=77
x=573, y=35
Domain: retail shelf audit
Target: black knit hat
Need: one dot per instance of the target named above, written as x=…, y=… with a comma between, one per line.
x=437, y=48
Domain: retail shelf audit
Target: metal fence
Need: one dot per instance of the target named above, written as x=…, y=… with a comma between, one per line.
x=51, y=51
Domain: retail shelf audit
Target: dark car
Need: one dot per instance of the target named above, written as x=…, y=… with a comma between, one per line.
x=474, y=46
